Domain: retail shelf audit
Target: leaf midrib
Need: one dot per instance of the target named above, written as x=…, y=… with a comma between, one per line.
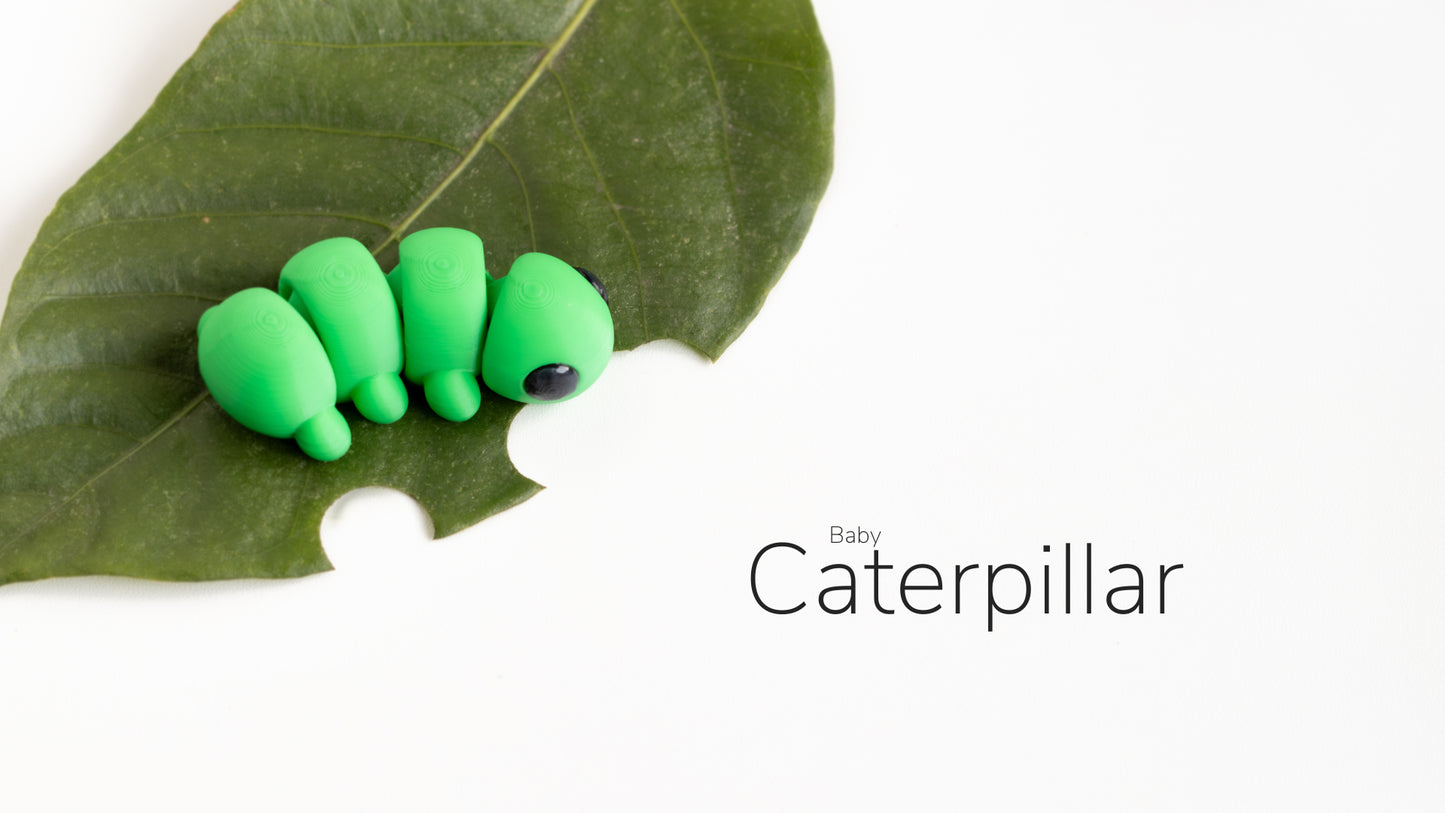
x=134, y=450
x=542, y=66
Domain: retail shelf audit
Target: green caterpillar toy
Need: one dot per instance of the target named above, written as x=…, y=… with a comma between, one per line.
x=342, y=330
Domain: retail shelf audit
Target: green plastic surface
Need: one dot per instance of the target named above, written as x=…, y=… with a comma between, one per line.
x=266, y=368
x=280, y=363
x=545, y=313
x=441, y=285
x=339, y=289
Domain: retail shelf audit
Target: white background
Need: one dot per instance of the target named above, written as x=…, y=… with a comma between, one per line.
x=1163, y=277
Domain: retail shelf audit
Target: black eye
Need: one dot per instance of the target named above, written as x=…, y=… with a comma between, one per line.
x=550, y=382
x=596, y=283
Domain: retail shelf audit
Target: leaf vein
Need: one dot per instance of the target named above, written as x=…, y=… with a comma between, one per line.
x=526, y=199
x=807, y=74
x=300, y=496
x=616, y=210
x=313, y=128
x=400, y=44
x=79, y=365
x=97, y=427
x=122, y=160
x=722, y=112
x=122, y=221
x=110, y=294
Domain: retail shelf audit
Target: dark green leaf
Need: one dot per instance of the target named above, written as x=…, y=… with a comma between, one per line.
x=678, y=148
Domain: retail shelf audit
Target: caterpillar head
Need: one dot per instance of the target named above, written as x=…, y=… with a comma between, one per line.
x=550, y=331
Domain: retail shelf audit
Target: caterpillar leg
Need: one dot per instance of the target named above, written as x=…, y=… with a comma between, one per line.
x=453, y=394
